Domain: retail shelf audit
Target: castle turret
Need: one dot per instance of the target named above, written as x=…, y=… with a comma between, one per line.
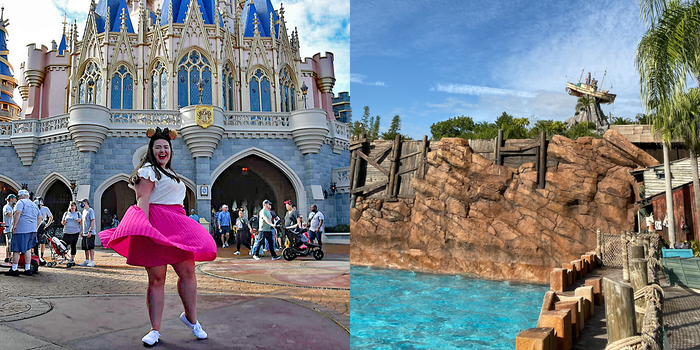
x=9, y=110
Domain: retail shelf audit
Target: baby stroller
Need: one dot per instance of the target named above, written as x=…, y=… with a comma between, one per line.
x=35, y=259
x=301, y=246
x=57, y=248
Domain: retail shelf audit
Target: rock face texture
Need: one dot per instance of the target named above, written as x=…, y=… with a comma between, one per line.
x=473, y=217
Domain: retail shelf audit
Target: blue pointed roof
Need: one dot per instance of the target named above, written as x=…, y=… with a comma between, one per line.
x=263, y=8
x=63, y=45
x=180, y=7
x=5, y=68
x=115, y=11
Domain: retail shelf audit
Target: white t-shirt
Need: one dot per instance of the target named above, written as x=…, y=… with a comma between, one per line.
x=30, y=216
x=7, y=213
x=316, y=220
x=45, y=212
x=88, y=215
x=166, y=191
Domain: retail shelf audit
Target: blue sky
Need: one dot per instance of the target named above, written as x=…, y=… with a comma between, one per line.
x=323, y=26
x=428, y=61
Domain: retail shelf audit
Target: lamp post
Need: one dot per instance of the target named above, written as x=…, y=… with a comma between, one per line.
x=304, y=91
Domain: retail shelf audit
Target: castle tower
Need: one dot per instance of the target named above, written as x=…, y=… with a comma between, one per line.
x=9, y=110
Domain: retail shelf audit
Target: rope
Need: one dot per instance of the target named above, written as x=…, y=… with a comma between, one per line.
x=634, y=343
x=651, y=329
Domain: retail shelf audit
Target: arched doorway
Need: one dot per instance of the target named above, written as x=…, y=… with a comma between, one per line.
x=5, y=190
x=249, y=181
x=56, y=199
x=118, y=197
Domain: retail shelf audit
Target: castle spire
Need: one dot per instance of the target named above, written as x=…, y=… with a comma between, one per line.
x=10, y=110
x=256, y=31
x=64, y=24
x=122, y=17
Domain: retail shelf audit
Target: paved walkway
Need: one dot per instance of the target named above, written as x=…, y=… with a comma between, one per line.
x=104, y=307
x=682, y=318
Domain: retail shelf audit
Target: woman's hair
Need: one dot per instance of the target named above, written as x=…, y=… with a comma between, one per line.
x=70, y=204
x=149, y=157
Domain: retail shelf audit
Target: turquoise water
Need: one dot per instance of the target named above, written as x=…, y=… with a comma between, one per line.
x=393, y=309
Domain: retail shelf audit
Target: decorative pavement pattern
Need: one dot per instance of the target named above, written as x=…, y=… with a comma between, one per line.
x=104, y=307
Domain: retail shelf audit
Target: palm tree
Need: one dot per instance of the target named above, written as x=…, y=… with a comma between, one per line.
x=666, y=54
x=584, y=102
x=682, y=115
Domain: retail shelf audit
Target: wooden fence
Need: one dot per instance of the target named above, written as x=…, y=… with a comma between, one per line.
x=384, y=169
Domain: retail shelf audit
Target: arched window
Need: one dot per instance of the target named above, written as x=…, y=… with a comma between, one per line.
x=260, y=99
x=194, y=72
x=90, y=85
x=122, y=89
x=159, y=87
x=287, y=92
x=227, y=89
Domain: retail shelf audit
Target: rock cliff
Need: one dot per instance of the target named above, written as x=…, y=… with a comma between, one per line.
x=471, y=216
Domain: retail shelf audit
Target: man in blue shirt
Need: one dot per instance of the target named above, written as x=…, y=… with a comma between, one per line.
x=193, y=215
x=224, y=220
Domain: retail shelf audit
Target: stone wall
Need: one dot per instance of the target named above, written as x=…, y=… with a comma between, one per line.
x=471, y=216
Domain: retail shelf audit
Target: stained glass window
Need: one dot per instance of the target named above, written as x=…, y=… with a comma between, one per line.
x=260, y=96
x=194, y=71
x=227, y=89
x=122, y=89
x=90, y=85
x=287, y=97
x=159, y=86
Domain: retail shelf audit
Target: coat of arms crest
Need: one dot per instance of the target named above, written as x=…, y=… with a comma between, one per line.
x=204, y=116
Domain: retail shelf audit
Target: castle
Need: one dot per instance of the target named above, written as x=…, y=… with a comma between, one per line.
x=256, y=121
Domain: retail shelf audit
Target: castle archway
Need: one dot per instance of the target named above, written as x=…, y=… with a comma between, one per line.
x=248, y=181
x=56, y=198
x=284, y=183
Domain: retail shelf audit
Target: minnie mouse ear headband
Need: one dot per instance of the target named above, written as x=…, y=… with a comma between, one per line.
x=161, y=134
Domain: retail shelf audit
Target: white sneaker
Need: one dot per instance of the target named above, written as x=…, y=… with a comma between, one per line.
x=237, y=253
x=84, y=263
x=256, y=257
x=151, y=338
x=196, y=328
x=91, y=263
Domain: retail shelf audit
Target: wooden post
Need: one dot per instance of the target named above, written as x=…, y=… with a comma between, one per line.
x=353, y=162
x=423, y=158
x=619, y=310
x=625, y=261
x=359, y=163
x=638, y=280
x=542, y=173
x=499, y=143
x=636, y=252
x=395, y=155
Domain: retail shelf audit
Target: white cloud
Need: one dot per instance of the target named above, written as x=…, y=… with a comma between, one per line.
x=465, y=89
x=324, y=26
x=360, y=79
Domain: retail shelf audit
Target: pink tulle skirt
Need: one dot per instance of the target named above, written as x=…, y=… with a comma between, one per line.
x=169, y=237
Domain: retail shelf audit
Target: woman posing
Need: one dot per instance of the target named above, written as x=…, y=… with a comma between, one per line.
x=71, y=222
x=157, y=232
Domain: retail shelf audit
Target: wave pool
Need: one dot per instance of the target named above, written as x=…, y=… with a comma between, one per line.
x=394, y=309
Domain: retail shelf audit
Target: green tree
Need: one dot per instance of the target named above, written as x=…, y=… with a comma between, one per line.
x=582, y=129
x=394, y=128
x=681, y=121
x=583, y=104
x=361, y=127
x=621, y=121
x=667, y=53
x=550, y=127
x=453, y=127
x=375, y=128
